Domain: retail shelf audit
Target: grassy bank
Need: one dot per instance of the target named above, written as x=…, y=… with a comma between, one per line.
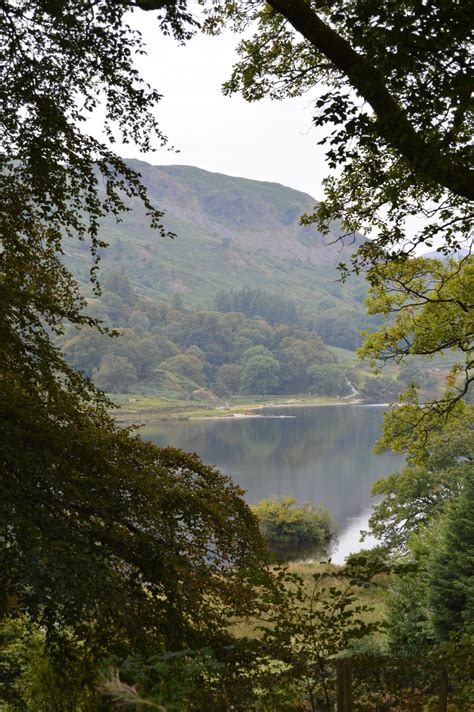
x=373, y=595
x=140, y=408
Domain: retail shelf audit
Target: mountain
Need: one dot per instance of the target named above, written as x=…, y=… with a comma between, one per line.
x=435, y=255
x=230, y=233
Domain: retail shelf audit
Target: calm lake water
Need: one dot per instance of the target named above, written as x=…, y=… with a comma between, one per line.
x=317, y=454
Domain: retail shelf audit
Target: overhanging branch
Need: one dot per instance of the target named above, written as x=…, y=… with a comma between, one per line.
x=393, y=123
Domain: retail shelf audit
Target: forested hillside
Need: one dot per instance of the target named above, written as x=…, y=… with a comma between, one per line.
x=252, y=342
x=231, y=233
x=165, y=348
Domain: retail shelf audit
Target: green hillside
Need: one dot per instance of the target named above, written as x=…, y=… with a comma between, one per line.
x=231, y=233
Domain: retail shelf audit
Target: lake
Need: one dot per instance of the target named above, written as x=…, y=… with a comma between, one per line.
x=316, y=454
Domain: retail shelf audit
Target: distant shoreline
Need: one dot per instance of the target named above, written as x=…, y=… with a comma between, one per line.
x=144, y=410
x=243, y=416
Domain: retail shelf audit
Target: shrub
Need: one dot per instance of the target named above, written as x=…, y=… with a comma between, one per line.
x=284, y=523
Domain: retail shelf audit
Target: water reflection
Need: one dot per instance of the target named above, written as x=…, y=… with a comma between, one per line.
x=348, y=540
x=321, y=454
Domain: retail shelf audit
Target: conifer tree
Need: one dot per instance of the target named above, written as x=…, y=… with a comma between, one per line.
x=451, y=567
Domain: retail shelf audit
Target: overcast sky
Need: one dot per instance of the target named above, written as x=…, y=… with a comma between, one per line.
x=266, y=140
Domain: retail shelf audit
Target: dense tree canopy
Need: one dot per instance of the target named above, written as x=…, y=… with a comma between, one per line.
x=428, y=305
x=257, y=302
x=451, y=567
x=98, y=529
x=432, y=478
x=95, y=523
x=207, y=348
x=59, y=62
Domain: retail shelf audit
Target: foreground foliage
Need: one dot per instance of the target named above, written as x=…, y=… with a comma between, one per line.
x=291, y=662
x=109, y=545
x=95, y=523
x=106, y=542
x=436, y=468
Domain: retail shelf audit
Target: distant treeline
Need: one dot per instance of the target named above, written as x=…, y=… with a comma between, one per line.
x=335, y=327
x=166, y=348
x=258, y=302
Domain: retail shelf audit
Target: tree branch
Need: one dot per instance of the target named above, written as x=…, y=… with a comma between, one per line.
x=392, y=121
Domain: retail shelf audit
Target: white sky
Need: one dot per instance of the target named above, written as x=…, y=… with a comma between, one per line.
x=265, y=140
